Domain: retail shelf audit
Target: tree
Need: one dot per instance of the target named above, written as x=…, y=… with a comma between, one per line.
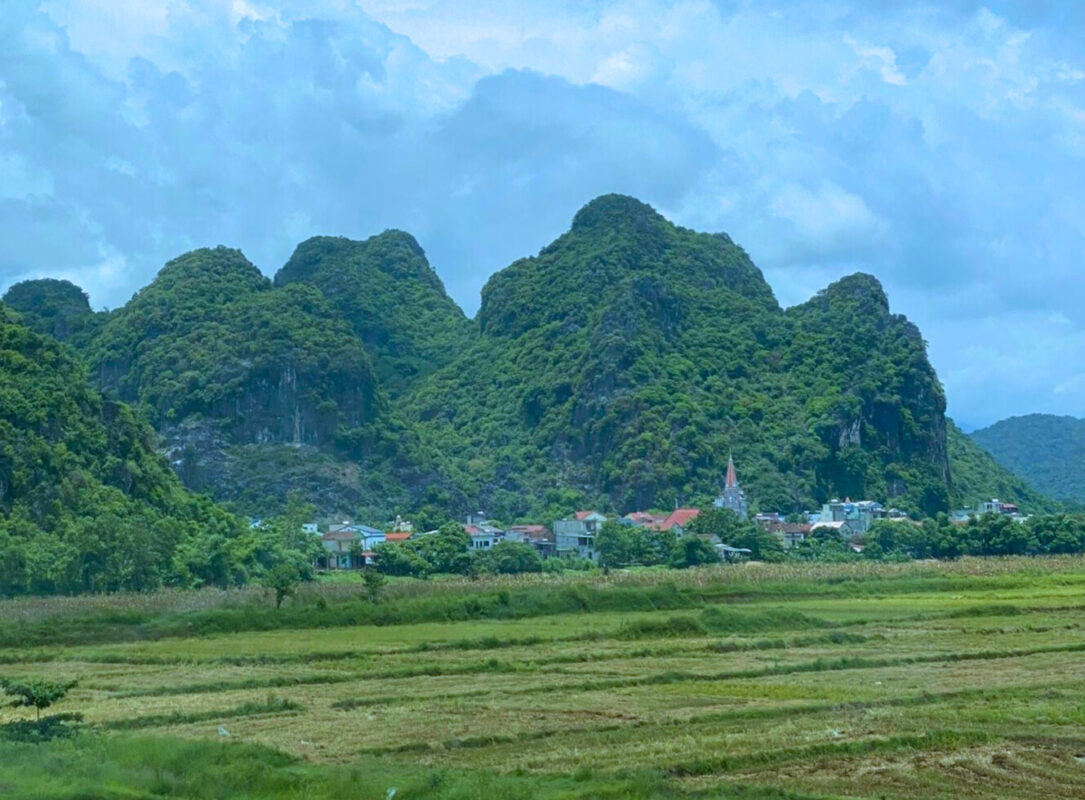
x=373, y=582
x=613, y=545
x=722, y=523
x=514, y=557
x=447, y=550
x=690, y=551
x=283, y=580
x=395, y=558
x=39, y=694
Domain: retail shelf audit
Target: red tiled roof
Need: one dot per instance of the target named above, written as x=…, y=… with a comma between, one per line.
x=680, y=516
x=583, y=515
x=472, y=530
x=537, y=529
x=396, y=537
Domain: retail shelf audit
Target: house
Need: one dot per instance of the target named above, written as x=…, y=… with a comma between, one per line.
x=642, y=519
x=678, y=520
x=483, y=536
x=860, y=515
x=526, y=533
x=576, y=536
x=732, y=498
x=397, y=536
x=309, y=527
x=350, y=546
x=995, y=506
x=843, y=528
x=538, y=536
x=790, y=533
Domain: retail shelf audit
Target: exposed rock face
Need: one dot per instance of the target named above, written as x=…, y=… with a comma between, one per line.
x=223, y=359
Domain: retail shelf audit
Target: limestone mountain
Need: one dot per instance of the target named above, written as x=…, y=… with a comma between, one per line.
x=256, y=390
x=56, y=308
x=618, y=367
x=1046, y=450
x=385, y=289
x=86, y=503
x=622, y=364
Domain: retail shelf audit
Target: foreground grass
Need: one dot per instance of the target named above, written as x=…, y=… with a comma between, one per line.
x=931, y=682
x=96, y=768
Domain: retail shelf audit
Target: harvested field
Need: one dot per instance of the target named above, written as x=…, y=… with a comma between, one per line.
x=903, y=681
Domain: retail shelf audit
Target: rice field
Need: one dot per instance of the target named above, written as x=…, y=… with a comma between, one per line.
x=926, y=681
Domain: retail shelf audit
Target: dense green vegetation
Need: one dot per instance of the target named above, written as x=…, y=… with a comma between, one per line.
x=387, y=292
x=1047, y=451
x=986, y=535
x=978, y=476
x=87, y=504
x=53, y=307
x=258, y=391
x=621, y=365
x=616, y=369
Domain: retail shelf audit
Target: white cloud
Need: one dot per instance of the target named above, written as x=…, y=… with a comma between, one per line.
x=936, y=145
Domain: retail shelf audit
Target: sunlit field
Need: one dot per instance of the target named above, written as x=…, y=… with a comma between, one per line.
x=948, y=680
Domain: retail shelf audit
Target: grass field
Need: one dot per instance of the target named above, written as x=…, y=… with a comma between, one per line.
x=958, y=680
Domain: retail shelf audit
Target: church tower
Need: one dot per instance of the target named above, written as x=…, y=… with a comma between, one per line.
x=733, y=497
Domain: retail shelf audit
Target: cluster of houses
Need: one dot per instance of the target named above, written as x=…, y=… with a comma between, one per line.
x=351, y=546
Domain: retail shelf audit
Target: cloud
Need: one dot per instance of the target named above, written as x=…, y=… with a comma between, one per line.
x=937, y=145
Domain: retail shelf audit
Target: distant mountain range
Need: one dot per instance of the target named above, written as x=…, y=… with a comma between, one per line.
x=617, y=368
x=1047, y=451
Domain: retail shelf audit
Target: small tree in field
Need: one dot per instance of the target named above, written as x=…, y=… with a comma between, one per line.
x=373, y=582
x=283, y=580
x=37, y=693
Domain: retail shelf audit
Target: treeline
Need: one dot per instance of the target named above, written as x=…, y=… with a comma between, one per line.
x=449, y=552
x=114, y=547
x=987, y=535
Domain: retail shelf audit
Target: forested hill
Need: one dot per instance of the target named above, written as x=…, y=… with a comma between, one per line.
x=257, y=390
x=1046, y=450
x=57, y=308
x=617, y=368
x=385, y=289
x=621, y=365
x=978, y=476
x=86, y=504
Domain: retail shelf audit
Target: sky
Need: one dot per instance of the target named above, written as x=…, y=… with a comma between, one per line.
x=940, y=147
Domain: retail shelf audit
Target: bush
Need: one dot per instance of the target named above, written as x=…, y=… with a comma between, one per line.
x=44, y=729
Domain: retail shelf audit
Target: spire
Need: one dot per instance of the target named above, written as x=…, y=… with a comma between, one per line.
x=732, y=477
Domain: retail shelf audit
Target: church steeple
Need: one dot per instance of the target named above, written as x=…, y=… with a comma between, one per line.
x=733, y=497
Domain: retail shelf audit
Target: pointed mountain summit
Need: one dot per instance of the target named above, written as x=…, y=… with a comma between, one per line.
x=619, y=363
x=390, y=295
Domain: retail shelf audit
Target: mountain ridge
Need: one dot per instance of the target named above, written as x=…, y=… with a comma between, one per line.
x=617, y=367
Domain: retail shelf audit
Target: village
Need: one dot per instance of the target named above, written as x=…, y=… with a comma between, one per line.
x=353, y=546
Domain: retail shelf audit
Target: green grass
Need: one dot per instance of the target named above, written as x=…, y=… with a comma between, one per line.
x=913, y=681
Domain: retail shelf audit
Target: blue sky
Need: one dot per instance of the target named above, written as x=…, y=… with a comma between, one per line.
x=939, y=146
